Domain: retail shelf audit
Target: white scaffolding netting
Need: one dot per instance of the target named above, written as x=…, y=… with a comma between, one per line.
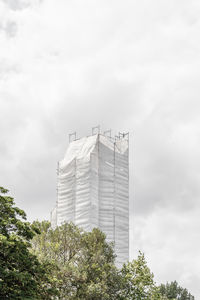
x=54, y=217
x=93, y=189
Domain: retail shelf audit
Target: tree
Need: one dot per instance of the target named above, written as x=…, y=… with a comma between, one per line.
x=174, y=291
x=21, y=274
x=84, y=260
x=37, y=262
x=138, y=282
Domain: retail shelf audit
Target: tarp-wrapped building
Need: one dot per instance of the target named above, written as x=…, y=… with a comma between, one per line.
x=93, y=188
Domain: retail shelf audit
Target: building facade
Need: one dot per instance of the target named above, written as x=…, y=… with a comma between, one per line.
x=93, y=188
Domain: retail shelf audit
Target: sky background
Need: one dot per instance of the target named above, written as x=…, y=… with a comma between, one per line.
x=127, y=65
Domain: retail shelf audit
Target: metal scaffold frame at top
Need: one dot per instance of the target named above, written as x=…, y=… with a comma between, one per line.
x=97, y=130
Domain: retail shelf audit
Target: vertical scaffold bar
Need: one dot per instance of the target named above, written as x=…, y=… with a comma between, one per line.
x=74, y=196
x=72, y=137
x=57, y=192
x=107, y=133
x=96, y=130
x=98, y=174
x=128, y=199
x=114, y=198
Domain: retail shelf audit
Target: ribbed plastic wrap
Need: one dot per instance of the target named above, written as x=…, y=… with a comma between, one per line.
x=93, y=189
x=54, y=217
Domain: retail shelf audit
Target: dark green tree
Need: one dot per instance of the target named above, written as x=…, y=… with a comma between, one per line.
x=22, y=276
x=174, y=291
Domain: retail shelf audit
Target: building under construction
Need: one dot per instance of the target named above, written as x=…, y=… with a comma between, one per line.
x=93, y=187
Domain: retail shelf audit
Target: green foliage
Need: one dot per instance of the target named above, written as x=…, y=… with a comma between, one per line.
x=83, y=267
x=174, y=291
x=138, y=282
x=84, y=261
x=37, y=262
x=21, y=274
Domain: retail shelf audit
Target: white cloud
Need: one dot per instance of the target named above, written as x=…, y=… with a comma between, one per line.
x=70, y=65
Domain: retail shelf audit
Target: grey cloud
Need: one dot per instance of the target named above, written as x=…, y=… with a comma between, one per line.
x=17, y=4
x=10, y=28
x=168, y=176
x=173, y=237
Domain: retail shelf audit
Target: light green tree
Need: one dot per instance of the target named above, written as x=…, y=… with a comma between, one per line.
x=84, y=261
x=138, y=281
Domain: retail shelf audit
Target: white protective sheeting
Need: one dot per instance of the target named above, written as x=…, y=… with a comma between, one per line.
x=93, y=189
x=53, y=219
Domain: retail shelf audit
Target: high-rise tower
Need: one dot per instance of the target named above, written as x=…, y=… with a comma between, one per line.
x=93, y=188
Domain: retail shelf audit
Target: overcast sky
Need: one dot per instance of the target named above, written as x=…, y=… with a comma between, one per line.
x=127, y=65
